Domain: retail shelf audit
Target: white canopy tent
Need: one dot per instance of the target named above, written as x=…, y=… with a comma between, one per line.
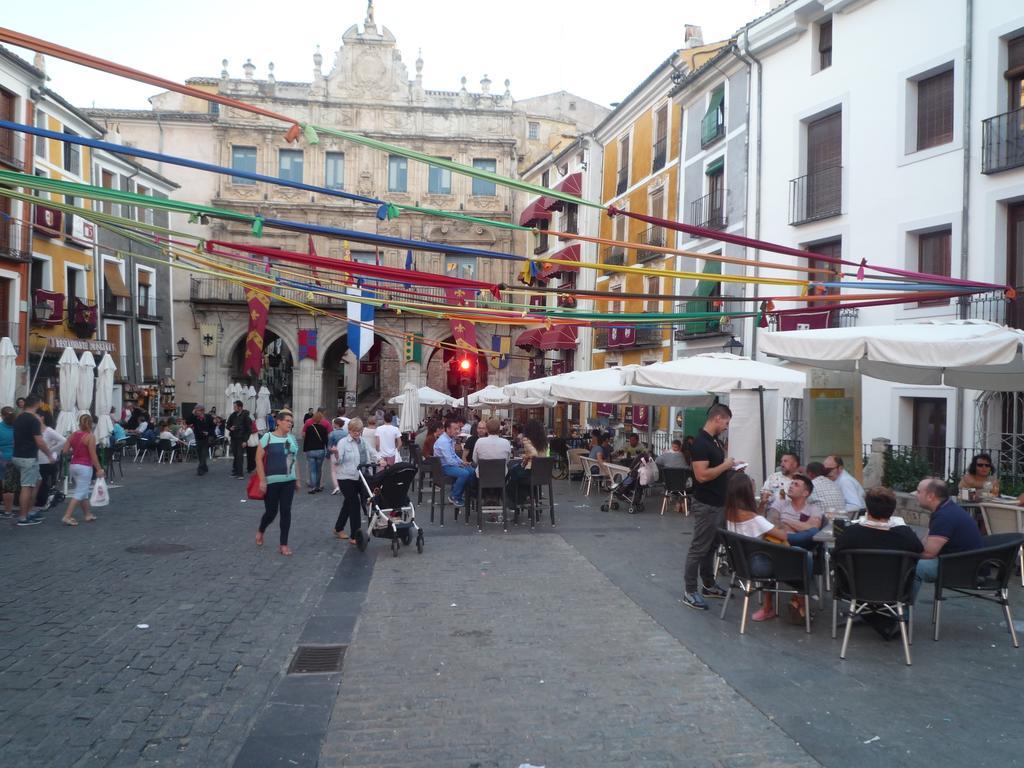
x=8, y=372
x=86, y=384
x=970, y=354
x=104, y=397
x=68, y=387
x=427, y=397
x=721, y=372
x=496, y=397
x=615, y=385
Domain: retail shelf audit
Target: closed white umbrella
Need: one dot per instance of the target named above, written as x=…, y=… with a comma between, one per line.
x=8, y=372
x=104, y=397
x=86, y=384
x=229, y=398
x=721, y=372
x=68, y=366
x=262, y=408
x=409, y=415
x=250, y=400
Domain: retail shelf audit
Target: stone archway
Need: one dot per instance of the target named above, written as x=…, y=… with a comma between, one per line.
x=362, y=386
x=276, y=373
x=444, y=374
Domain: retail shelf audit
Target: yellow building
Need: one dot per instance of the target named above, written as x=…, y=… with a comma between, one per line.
x=62, y=298
x=640, y=141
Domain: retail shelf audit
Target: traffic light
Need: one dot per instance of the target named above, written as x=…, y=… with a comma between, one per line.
x=465, y=365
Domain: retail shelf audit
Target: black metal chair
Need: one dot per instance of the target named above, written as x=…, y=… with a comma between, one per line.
x=875, y=581
x=982, y=573
x=541, y=468
x=677, y=482
x=115, y=458
x=438, y=482
x=490, y=477
x=165, y=449
x=760, y=566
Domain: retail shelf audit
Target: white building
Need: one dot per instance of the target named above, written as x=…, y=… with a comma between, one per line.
x=861, y=111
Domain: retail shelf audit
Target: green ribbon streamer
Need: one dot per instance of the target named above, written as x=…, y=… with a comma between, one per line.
x=310, y=134
x=462, y=217
x=465, y=170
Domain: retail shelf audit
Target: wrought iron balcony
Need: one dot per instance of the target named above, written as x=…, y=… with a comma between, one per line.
x=15, y=240
x=653, y=236
x=660, y=154
x=1002, y=139
x=614, y=255
x=11, y=331
x=992, y=306
x=116, y=306
x=709, y=211
x=12, y=149
x=643, y=336
x=816, y=196
x=623, y=181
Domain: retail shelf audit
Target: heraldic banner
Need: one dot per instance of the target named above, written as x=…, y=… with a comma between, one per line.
x=259, y=312
x=463, y=331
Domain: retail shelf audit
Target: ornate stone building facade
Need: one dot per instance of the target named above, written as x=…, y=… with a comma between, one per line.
x=366, y=90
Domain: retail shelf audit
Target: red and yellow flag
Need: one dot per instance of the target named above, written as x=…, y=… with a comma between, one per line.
x=259, y=312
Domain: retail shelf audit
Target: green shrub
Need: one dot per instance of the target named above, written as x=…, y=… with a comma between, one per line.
x=904, y=470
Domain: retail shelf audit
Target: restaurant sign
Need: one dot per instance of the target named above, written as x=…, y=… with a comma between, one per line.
x=91, y=345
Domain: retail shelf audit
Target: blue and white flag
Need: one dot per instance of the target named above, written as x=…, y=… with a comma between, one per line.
x=360, y=323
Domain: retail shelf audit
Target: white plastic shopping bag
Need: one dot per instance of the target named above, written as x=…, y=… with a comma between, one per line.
x=100, y=496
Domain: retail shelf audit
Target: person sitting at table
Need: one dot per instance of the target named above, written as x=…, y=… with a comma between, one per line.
x=797, y=515
x=492, y=445
x=980, y=476
x=852, y=490
x=452, y=465
x=434, y=430
x=826, y=494
x=741, y=517
x=517, y=439
x=950, y=529
x=774, y=489
x=598, y=452
x=117, y=433
x=479, y=431
x=673, y=458
x=633, y=447
x=166, y=434
x=535, y=443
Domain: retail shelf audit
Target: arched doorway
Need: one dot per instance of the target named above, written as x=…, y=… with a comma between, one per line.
x=455, y=371
x=276, y=373
x=359, y=388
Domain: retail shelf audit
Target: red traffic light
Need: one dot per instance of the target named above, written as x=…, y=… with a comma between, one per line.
x=465, y=365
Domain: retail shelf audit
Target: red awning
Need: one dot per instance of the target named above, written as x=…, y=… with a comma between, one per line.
x=559, y=337
x=569, y=253
x=529, y=339
x=571, y=185
x=534, y=212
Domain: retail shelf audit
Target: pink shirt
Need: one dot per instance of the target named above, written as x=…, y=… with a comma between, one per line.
x=79, y=450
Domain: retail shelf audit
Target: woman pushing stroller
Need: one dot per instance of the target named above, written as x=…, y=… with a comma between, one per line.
x=347, y=456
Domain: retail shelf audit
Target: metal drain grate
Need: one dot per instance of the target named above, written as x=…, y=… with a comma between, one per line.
x=313, y=659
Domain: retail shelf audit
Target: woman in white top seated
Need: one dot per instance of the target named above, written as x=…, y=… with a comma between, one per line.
x=741, y=517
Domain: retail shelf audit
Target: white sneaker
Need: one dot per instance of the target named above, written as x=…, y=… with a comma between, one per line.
x=335, y=492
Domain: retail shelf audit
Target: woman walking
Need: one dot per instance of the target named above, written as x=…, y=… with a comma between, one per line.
x=315, y=433
x=275, y=465
x=82, y=447
x=352, y=452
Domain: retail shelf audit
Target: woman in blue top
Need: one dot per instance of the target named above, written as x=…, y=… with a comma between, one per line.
x=275, y=465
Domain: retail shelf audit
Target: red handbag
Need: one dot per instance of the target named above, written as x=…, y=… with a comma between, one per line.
x=252, y=488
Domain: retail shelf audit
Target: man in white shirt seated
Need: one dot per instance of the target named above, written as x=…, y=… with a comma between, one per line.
x=853, y=492
x=798, y=515
x=493, y=446
x=775, y=485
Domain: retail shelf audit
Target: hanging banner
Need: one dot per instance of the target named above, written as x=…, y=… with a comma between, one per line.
x=208, y=340
x=412, y=350
x=621, y=336
x=463, y=331
x=641, y=416
x=360, y=323
x=259, y=313
x=307, y=343
x=803, y=321
x=605, y=410
x=501, y=345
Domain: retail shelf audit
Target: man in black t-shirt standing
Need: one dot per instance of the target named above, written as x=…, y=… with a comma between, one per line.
x=239, y=429
x=202, y=425
x=710, y=475
x=28, y=441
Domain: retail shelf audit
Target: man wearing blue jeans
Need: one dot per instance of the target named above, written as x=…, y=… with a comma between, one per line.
x=451, y=464
x=797, y=515
x=950, y=529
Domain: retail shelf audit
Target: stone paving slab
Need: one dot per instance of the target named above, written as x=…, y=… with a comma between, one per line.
x=497, y=650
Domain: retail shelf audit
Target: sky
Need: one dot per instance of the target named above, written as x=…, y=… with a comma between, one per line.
x=540, y=45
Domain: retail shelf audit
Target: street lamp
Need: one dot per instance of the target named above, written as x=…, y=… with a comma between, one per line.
x=733, y=346
x=182, y=349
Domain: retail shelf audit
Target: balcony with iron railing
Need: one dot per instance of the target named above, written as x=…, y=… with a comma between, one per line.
x=149, y=368
x=660, y=154
x=151, y=310
x=11, y=331
x=12, y=149
x=654, y=236
x=992, y=306
x=15, y=239
x=1002, y=141
x=709, y=211
x=643, y=336
x=116, y=306
x=613, y=255
x=816, y=196
x=622, y=182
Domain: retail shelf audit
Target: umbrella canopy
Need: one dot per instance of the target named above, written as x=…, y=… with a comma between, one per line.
x=537, y=388
x=613, y=385
x=104, y=397
x=86, y=383
x=409, y=415
x=8, y=371
x=428, y=397
x=262, y=408
x=250, y=400
x=721, y=372
x=972, y=354
x=497, y=398
x=68, y=367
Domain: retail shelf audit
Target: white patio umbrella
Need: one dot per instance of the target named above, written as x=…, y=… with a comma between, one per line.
x=427, y=397
x=537, y=388
x=104, y=397
x=496, y=397
x=262, y=408
x=229, y=398
x=86, y=384
x=8, y=372
x=409, y=415
x=721, y=372
x=614, y=385
x=68, y=387
x=971, y=354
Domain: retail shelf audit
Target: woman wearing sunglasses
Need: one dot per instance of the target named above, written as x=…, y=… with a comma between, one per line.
x=980, y=475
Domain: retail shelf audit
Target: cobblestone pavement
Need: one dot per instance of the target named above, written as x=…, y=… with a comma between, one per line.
x=82, y=685
x=500, y=650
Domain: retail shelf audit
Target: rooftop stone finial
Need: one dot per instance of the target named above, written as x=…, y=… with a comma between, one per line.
x=485, y=84
x=318, y=58
x=249, y=68
x=224, y=69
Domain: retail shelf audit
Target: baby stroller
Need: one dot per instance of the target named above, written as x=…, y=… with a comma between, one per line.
x=391, y=513
x=630, y=488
